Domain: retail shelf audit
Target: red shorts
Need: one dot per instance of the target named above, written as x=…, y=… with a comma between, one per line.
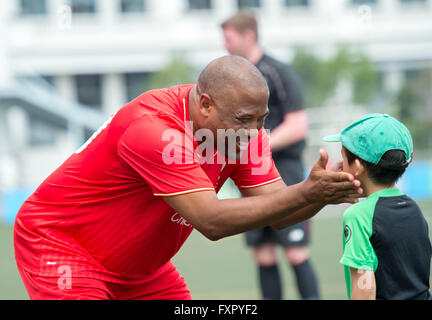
x=164, y=284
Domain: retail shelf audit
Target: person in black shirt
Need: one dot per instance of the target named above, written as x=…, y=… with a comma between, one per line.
x=288, y=125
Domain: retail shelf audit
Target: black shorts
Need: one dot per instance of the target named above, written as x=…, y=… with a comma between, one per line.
x=297, y=235
x=292, y=172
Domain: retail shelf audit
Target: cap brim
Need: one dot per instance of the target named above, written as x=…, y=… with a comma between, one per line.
x=333, y=138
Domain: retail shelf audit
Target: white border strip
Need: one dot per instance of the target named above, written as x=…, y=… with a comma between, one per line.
x=261, y=184
x=182, y=192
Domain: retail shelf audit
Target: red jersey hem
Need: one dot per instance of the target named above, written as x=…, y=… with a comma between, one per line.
x=260, y=184
x=182, y=192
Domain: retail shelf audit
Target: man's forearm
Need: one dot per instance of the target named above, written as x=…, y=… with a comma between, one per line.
x=292, y=130
x=235, y=216
x=299, y=216
x=284, y=136
x=216, y=218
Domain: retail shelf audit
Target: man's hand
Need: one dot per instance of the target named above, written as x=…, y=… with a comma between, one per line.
x=330, y=187
x=336, y=167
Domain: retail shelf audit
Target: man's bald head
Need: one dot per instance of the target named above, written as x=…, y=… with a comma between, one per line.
x=229, y=76
x=231, y=96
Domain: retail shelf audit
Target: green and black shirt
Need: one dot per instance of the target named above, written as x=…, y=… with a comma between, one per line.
x=387, y=233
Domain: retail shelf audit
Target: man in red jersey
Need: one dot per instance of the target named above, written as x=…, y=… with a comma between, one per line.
x=107, y=222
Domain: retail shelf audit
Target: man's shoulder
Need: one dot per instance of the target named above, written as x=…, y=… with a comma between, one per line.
x=268, y=61
x=269, y=65
x=166, y=97
x=164, y=104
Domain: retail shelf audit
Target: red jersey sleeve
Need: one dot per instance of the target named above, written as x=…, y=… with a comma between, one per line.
x=256, y=167
x=162, y=153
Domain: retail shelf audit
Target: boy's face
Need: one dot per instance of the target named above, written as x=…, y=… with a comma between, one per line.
x=345, y=166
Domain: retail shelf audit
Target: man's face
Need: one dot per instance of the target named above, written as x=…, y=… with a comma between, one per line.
x=235, y=42
x=236, y=120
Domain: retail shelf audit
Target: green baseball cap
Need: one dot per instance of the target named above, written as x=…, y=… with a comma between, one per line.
x=373, y=135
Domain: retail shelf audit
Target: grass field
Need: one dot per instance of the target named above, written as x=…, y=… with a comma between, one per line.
x=224, y=269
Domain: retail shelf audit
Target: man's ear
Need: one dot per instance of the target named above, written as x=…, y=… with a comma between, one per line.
x=250, y=36
x=205, y=105
x=359, y=168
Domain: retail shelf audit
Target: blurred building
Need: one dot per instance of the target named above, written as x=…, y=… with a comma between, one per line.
x=98, y=54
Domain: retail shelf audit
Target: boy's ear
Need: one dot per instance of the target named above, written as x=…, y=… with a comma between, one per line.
x=359, y=168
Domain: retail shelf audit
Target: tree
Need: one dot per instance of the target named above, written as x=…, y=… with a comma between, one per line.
x=320, y=77
x=414, y=103
x=178, y=71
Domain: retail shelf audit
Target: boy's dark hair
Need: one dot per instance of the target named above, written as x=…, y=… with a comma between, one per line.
x=388, y=171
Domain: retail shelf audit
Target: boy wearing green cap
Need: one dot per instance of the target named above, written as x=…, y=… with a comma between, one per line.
x=386, y=246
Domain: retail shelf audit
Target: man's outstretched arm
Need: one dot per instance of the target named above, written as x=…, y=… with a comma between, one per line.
x=304, y=213
x=298, y=216
x=217, y=219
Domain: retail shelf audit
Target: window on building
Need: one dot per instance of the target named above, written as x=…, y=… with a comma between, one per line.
x=41, y=80
x=413, y=2
x=43, y=132
x=199, y=4
x=49, y=80
x=248, y=4
x=296, y=3
x=132, y=6
x=30, y=7
x=367, y=2
x=83, y=6
x=136, y=84
x=89, y=90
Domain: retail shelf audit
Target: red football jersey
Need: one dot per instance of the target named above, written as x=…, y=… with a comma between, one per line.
x=102, y=212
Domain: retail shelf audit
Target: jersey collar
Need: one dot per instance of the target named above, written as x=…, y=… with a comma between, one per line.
x=394, y=192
